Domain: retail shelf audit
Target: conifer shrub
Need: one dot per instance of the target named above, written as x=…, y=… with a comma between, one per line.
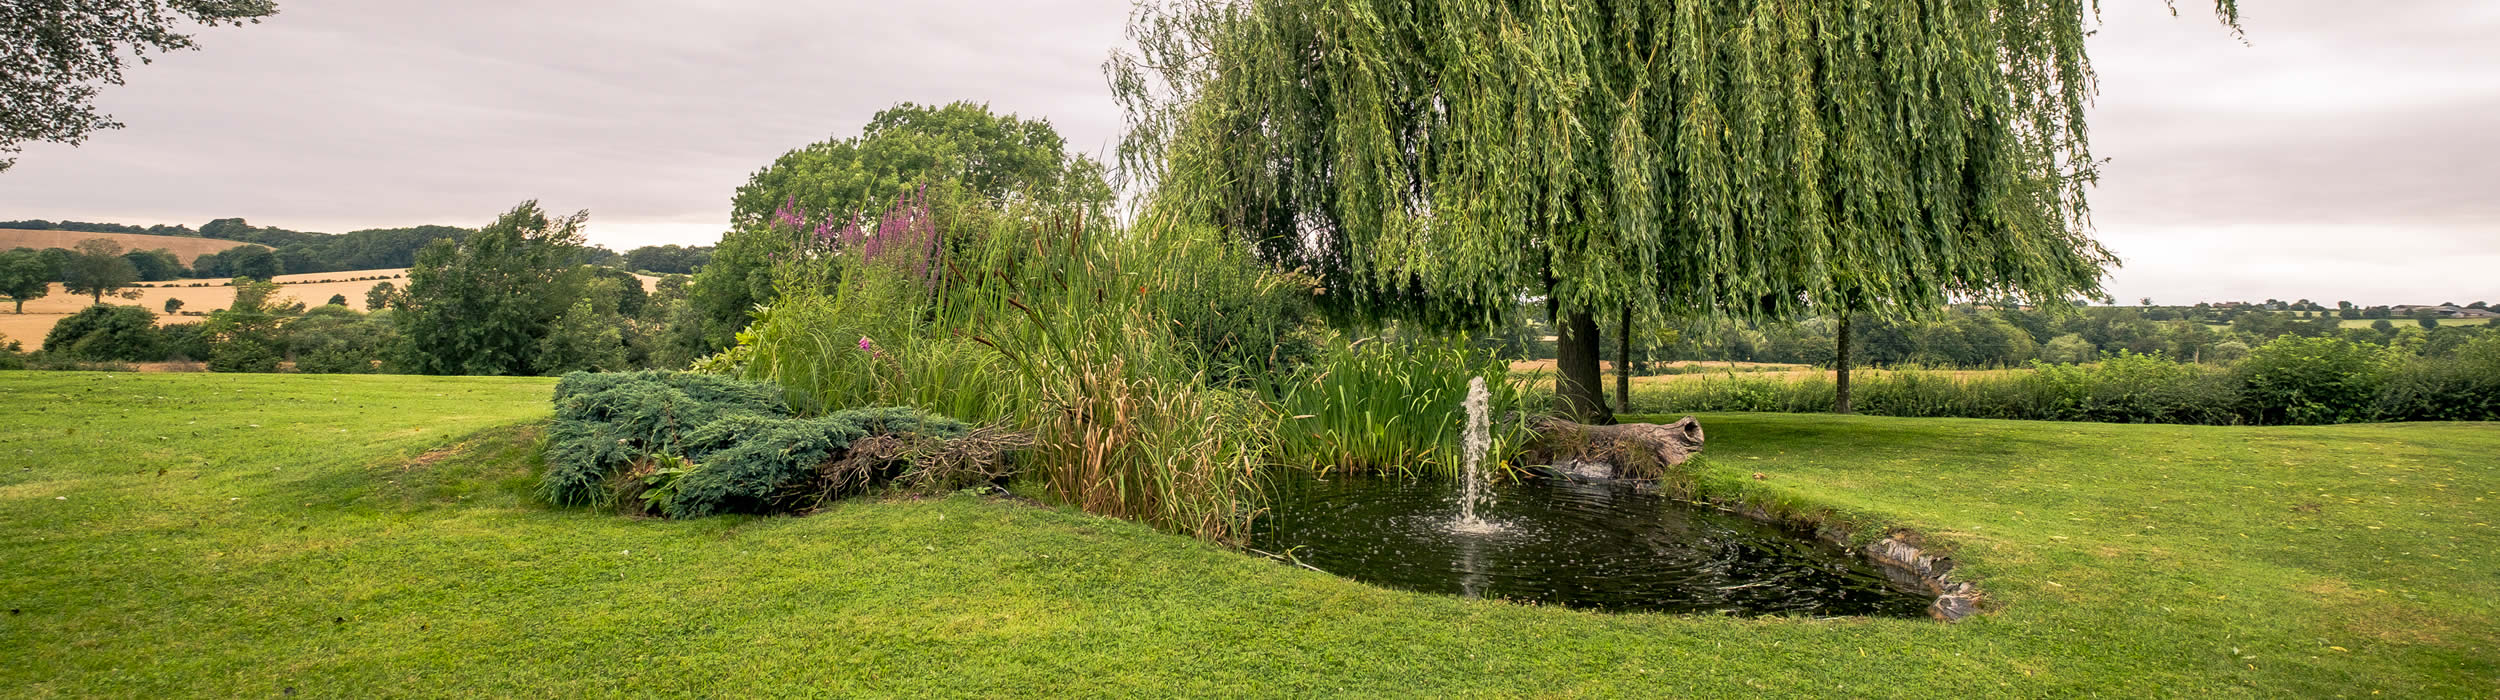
x=690, y=445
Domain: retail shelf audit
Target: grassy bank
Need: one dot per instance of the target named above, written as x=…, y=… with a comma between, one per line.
x=222, y=535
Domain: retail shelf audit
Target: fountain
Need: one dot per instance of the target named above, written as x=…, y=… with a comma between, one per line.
x=1602, y=544
x=1479, y=439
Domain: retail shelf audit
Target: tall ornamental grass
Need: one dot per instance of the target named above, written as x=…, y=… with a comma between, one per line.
x=1036, y=320
x=1388, y=406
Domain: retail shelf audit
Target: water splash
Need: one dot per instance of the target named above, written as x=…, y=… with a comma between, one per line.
x=1479, y=439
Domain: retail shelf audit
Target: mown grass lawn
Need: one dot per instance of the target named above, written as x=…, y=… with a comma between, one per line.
x=220, y=535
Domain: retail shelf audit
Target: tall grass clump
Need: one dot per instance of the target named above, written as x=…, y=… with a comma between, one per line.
x=1035, y=319
x=1392, y=406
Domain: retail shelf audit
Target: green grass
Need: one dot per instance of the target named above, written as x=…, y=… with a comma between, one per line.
x=327, y=552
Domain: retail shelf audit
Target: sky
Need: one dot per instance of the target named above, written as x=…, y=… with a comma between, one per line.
x=2342, y=151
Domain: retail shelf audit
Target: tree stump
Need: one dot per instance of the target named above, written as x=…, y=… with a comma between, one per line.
x=1625, y=451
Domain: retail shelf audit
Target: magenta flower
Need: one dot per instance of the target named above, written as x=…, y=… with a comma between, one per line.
x=863, y=343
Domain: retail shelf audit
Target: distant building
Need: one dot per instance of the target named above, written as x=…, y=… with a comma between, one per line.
x=2441, y=311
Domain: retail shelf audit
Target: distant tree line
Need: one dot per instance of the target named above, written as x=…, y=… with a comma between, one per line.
x=278, y=251
x=513, y=298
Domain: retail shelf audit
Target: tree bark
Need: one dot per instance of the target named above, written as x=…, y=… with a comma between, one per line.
x=1623, y=363
x=1577, y=386
x=1840, y=398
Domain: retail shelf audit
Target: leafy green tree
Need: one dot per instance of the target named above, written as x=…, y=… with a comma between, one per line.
x=61, y=52
x=583, y=340
x=668, y=259
x=25, y=276
x=107, y=333
x=247, y=335
x=98, y=269
x=339, y=300
x=156, y=265
x=383, y=294
x=1635, y=157
x=249, y=261
x=2426, y=320
x=481, y=305
x=2069, y=349
x=173, y=305
x=826, y=185
x=337, y=340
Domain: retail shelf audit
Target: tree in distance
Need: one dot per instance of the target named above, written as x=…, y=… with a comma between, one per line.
x=25, y=275
x=98, y=269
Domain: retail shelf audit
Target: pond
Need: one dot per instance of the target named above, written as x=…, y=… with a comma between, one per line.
x=1611, y=546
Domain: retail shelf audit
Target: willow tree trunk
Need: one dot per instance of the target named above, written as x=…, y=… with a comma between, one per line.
x=1577, y=385
x=1840, y=392
x=1623, y=363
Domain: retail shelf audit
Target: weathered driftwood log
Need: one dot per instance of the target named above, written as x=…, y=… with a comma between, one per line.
x=1626, y=451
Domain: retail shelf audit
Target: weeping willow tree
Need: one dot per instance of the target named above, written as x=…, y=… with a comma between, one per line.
x=1440, y=160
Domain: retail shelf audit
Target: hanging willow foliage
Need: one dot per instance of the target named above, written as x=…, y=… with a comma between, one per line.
x=1438, y=159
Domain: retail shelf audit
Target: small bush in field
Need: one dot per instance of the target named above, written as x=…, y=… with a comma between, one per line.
x=243, y=355
x=107, y=333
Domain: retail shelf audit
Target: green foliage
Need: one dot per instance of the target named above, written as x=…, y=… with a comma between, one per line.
x=189, y=342
x=737, y=449
x=98, y=269
x=583, y=340
x=62, y=53
x=604, y=422
x=2069, y=349
x=247, y=335
x=243, y=354
x=335, y=340
x=668, y=259
x=383, y=294
x=25, y=276
x=749, y=463
x=1392, y=407
x=107, y=333
x=829, y=184
x=2306, y=381
x=1040, y=322
x=156, y=265
x=2462, y=385
x=482, y=305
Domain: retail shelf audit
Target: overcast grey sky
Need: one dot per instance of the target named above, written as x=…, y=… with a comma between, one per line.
x=2348, y=151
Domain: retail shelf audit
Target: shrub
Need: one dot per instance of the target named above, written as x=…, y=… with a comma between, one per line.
x=243, y=355
x=188, y=342
x=107, y=333
x=729, y=446
x=2307, y=381
x=2462, y=386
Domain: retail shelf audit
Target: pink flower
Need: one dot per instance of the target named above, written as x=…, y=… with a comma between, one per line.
x=863, y=343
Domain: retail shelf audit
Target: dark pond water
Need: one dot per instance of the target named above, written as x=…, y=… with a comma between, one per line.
x=1604, y=546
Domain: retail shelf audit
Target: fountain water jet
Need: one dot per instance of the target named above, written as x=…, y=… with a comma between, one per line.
x=1478, y=440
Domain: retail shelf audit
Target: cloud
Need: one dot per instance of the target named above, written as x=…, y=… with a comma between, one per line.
x=2343, y=151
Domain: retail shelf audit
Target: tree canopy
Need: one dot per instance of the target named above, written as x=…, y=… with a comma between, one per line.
x=833, y=183
x=482, y=304
x=1436, y=160
x=60, y=53
x=25, y=276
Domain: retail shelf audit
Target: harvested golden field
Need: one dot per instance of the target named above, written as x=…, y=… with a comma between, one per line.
x=314, y=289
x=188, y=248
